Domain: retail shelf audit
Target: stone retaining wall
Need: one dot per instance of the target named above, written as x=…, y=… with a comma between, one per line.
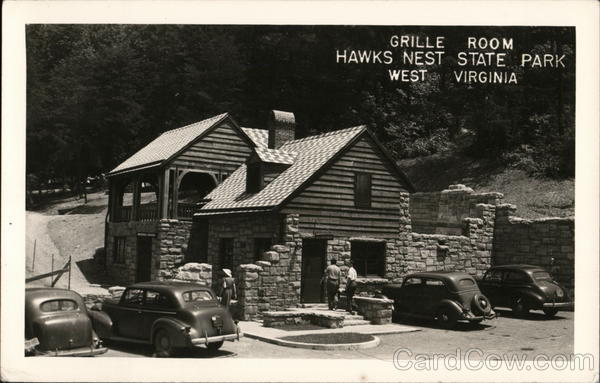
x=443, y=212
x=536, y=242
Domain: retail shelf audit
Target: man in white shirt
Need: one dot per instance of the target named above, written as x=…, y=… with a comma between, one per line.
x=350, y=286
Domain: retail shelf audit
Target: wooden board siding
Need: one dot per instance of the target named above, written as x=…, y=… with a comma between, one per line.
x=222, y=149
x=327, y=204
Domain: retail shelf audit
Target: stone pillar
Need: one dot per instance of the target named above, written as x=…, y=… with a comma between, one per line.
x=248, y=284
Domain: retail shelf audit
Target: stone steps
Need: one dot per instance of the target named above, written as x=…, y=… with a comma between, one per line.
x=355, y=322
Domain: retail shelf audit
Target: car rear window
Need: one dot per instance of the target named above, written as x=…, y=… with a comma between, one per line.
x=197, y=296
x=542, y=276
x=59, y=305
x=466, y=282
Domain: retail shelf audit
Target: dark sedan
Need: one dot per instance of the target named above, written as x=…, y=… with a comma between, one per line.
x=448, y=297
x=523, y=288
x=169, y=315
x=57, y=323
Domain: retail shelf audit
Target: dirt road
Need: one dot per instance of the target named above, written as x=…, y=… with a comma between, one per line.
x=75, y=235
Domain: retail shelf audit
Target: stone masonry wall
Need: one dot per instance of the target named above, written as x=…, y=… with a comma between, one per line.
x=272, y=283
x=443, y=212
x=125, y=272
x=535, y=242
x=170, y=240
x=243, y=229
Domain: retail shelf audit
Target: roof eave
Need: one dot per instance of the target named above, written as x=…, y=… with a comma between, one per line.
x=135, y=168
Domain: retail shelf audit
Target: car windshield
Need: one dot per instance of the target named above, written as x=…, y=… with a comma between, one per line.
x=541, y=276
x=197, y=296
x=59, y=305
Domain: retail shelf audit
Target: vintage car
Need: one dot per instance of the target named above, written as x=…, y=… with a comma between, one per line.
x=523, y=288
x=447, y=297
x=57, y=324
x=169, y=315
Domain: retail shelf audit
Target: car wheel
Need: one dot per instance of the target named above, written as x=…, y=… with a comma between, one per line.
x=550, y=312
x=214, y=346
x=482, y=304
x=446, y=318
x=518, y=308
x=163, y=346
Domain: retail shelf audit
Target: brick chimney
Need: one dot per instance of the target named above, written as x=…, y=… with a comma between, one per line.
x=282, y=128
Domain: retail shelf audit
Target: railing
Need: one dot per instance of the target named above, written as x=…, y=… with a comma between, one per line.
x=123, y=214
x=148, y=212
x=187, y=210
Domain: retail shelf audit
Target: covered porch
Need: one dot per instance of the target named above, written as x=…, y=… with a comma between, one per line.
x=154, y=194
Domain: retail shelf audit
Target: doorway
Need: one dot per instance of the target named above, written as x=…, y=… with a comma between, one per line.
x=144, y=259
x=314, y=255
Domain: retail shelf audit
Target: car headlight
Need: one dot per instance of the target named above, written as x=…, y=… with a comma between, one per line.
x=560, y=293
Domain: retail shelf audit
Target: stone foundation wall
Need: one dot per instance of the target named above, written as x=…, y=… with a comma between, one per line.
x=536, y=242
x=443, y=212
x=125, y=272
x=170, y=242
x=200, y=273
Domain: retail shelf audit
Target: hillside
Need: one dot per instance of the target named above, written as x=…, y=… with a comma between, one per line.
x=534, y=197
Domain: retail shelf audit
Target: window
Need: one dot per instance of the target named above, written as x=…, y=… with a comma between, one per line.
x=197, y=296
x=119, y=250
x=362, y=190
x=541, y=276
x=368, y=258
x=156, y=299
x=253, y=177
x=493, y=276
x=466, y=282
x=260, y=246
x=516, y=277
x=434, y=282
x=58, y=305
x=133, y=297
x=226, y=253
x=412, y=281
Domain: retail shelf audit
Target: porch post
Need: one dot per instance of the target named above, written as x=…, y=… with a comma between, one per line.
x=135, y=208
x=175, y=192
x=164, y=194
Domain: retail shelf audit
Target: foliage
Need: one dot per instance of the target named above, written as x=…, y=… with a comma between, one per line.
x=98, y=93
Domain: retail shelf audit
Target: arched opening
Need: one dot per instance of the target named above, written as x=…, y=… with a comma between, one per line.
x=124, y=200
x=149, y=195
x=193, y=187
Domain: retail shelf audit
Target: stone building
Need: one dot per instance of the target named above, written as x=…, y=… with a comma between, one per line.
x=154, y=193
x=297, y=203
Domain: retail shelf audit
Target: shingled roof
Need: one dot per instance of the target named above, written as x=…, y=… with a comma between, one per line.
x=259, y=136
x=172, y=142
x=311, y=154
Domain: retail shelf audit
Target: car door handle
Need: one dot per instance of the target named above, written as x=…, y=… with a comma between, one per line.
x=139, y=311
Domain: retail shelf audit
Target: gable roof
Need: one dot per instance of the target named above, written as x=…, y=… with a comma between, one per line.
x=260, y=137
x=312, y=154
x=275, y=156
x=169, y=144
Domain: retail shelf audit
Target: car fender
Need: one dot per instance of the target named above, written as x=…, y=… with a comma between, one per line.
x=175, y=328
x=530, y=298
x=102, y=324
x=452, y=305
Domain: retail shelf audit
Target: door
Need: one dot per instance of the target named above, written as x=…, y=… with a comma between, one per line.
x=144, y=259
x=127, y=315
x=314, y=255
x=491, y=286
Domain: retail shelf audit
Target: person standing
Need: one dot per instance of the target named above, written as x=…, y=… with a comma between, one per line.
x=332, y=283
x=350, y=286
x=227, y=288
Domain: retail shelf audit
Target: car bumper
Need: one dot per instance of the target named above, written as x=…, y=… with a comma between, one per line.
x=83, y=351
x=558, y=305
x=214, y=339
x=471, y=317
